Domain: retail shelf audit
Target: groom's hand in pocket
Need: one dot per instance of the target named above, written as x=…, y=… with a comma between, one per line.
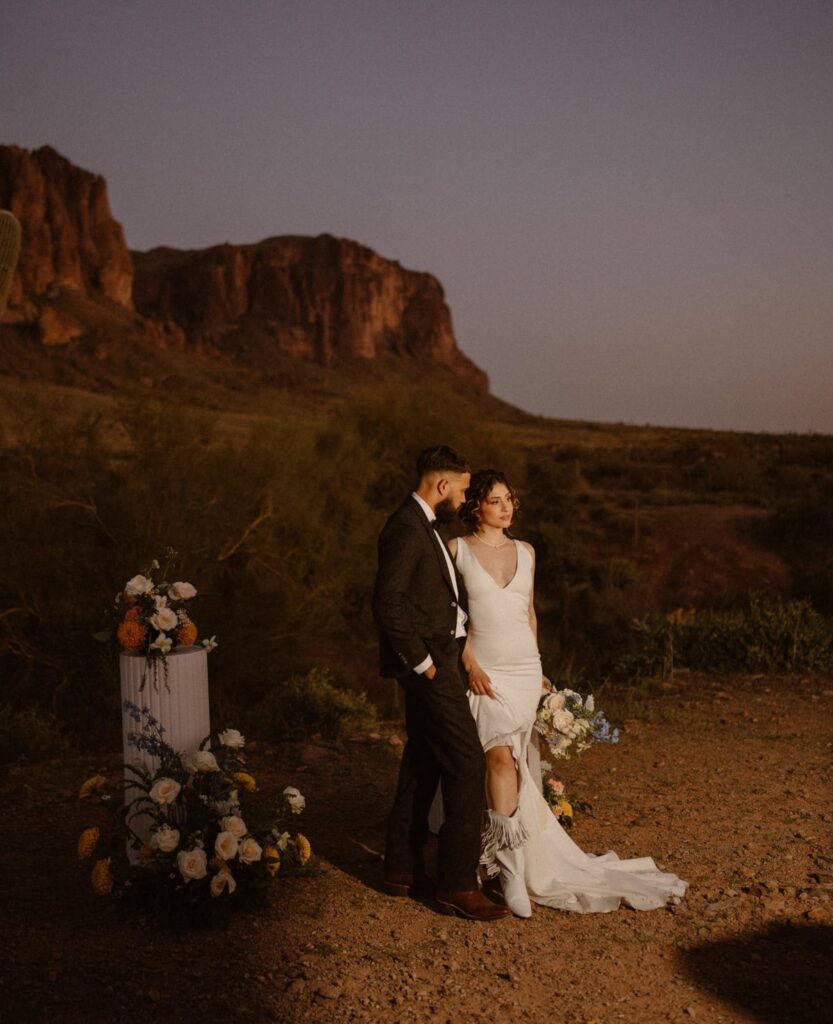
x=480, y=683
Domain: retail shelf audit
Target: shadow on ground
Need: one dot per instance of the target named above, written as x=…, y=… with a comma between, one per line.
x=780, y=975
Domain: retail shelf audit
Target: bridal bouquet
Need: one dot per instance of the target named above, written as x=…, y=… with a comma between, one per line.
x=208, y=849
x=555, y=794
x=562, y=804
x=570, y=723
x=154, y=617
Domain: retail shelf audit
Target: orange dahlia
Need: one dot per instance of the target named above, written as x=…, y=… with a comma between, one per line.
x=302, y=844
x=272, y=860
x=87, y=842
x=246, y=781
x=102, y=877
x=186, y=634
x=90, y=785
x=131, y=634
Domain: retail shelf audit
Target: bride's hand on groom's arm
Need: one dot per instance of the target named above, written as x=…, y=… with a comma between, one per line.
x=479, y=682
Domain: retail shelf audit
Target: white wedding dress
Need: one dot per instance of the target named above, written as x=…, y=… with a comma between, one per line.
x=556, y=871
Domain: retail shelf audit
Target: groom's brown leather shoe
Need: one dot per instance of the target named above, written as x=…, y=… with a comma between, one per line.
x=418, y=887
x=472, y=904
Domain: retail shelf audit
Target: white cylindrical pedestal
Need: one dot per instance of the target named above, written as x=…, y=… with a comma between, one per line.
x=180, y=703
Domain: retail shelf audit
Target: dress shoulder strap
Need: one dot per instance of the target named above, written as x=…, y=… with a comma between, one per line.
x=463, y=553
x=524, y=557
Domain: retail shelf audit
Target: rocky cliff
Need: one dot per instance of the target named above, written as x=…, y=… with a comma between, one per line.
x=71, y=243
x=323, y=299
x=320, y=298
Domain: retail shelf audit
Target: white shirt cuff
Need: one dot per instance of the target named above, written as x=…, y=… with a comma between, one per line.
x=423, y=666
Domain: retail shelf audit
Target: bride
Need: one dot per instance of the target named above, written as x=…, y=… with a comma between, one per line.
x=536, y=858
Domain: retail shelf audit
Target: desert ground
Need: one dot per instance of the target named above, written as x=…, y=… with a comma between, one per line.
x=725, y=781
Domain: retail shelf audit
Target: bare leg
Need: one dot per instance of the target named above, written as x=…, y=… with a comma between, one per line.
x=501, y=780
x=505, y=828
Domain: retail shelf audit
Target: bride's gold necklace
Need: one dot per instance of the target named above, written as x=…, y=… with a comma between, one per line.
x=488, y=545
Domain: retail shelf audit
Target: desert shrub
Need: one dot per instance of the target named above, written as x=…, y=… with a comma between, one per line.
x=769, y=634
x=28, y=734
x=305, y=705
x=801, y=530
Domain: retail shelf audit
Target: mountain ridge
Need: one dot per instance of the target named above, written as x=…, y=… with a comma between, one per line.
x=79, y=291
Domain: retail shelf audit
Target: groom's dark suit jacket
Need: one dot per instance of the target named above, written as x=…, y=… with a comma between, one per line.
x=413, y=600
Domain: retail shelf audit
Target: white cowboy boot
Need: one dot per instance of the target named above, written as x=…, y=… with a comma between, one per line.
x=510, y=837
x=512, y=879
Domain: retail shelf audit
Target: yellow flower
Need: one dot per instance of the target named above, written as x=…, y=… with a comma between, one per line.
x=303, y=847
x=87, y=842
x=91, y=785
x=566, y=807
x=246, y=781
x=272, y=860
x=187, y=634
x=131, y=634
x=102, y=877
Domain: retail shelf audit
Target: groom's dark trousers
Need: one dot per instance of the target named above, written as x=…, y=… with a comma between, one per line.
x=415, y=607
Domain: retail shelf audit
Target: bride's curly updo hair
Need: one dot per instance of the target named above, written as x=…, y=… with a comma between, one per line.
x=478, y=491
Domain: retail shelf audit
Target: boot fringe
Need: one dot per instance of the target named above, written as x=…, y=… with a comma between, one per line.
x=503, y=833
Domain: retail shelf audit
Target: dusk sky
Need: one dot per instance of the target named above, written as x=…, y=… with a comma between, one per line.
x=629, y=204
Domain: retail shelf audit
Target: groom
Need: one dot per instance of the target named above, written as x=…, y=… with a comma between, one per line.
x=420, y=607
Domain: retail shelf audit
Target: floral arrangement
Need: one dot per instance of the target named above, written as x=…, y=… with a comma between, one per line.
x=153, y=617
x=205, y=851
x=569, y=723
x=562, y=804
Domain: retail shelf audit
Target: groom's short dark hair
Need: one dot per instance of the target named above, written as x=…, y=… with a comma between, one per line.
x=441, y=459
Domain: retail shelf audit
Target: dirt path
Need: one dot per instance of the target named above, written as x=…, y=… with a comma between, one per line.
x=726, y=782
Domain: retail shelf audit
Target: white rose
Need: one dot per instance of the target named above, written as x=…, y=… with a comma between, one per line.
x=282, y=840
x=561, y=746
x=181, y=591
x=202, y=761
x=165, y=839
x=555, y=701
x=164, y=618
x=137, y=586
x=250, y=851
x=160, y=601
x=162, y=643
x=225, y=845
x=590, y=703
x=222, y=880
x=235, y=825
x=192, y=864
x=295, y=800
x=562, y=720
x=164, y=791
x=232, y=738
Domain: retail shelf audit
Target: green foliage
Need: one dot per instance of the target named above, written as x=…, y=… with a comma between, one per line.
x=305, y=705
x=769, y=634
x=275, y=510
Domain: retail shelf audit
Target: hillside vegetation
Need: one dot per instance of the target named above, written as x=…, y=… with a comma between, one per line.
x=274, y=499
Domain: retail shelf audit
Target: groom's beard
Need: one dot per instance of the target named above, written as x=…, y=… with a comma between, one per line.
x=445, y=511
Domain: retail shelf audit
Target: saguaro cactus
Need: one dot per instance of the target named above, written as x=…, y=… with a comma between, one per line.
x=9, y=252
